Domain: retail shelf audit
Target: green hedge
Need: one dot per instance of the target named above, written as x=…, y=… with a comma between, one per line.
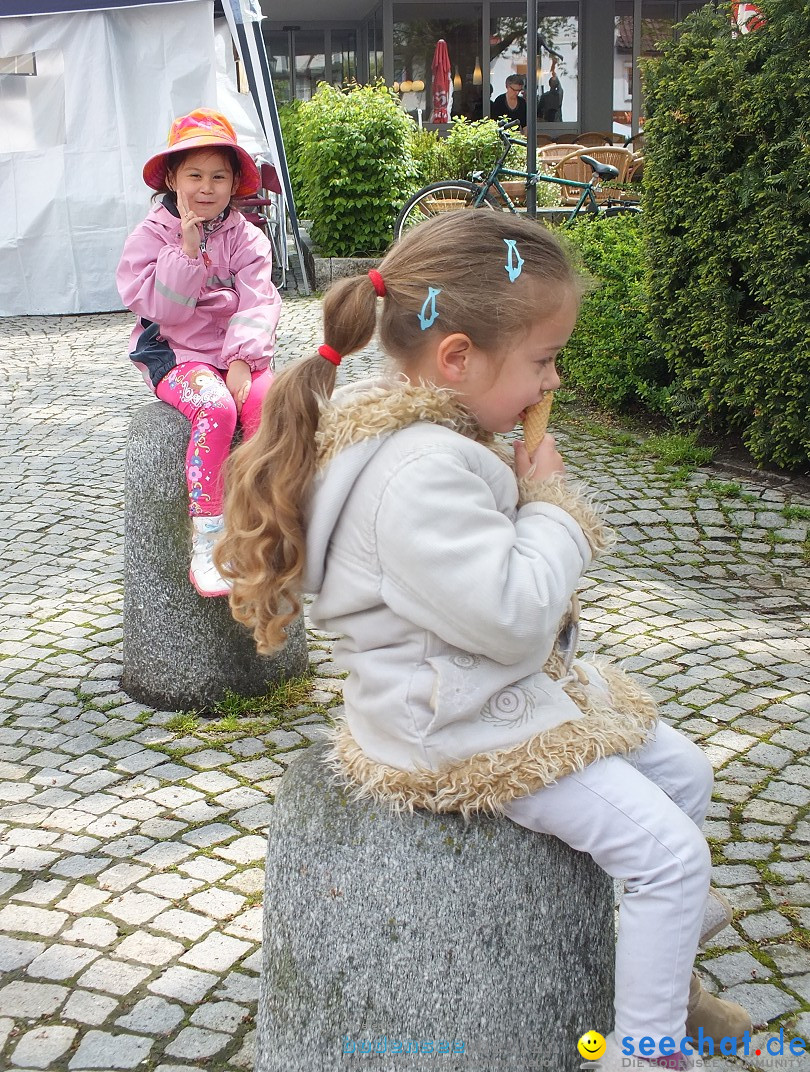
x=611, y=356
x=727, y=203
x=356, y=167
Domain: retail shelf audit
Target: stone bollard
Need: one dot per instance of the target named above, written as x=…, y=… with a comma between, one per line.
x=180, y=650
x=478, y=946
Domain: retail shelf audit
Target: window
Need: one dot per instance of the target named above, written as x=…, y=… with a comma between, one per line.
x=557, y=56
x=32, y=93
x=417, y=29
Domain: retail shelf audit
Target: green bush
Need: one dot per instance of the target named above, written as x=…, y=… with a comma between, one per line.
x=727, y=206
x=356, y=167
x=611, y=356
x=289, y=115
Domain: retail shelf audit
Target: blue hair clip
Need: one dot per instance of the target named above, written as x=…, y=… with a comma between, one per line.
x=514, y=261
x=425, y=321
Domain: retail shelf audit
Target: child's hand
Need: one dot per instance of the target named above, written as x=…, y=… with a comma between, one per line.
x=238, y=380
x=190, y=228
x=545, y=461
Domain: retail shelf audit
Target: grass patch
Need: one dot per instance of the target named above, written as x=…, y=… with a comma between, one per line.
x=723, y=489
x=796, y=513
x=677, y=450
x=184, y=722
x=278, y=700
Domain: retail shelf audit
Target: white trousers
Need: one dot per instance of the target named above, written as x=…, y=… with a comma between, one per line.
x=639, y=817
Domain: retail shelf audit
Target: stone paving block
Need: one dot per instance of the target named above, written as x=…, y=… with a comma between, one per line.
x=148, y=948
x=92, y=930
x=98, y=1049
x=248, y=924
x=217, y=952
x=212, y=834
x=42, y=1046
x=31, y=1000
x=206, y=869
x=79, y=866
x=220, y=1016
x=169, y=885
x=59, y=962
x=88, y=1008
x=765, y=925
x=121, y=876
x=152, y=1016
x=189, y=925
x=249, y=881
x=194, y=1043
x=41, y=892
x=764, y=1001
x=27, y=919
x=16, y=953
x=239, y=988
x=27, y=859
x=113, y=977
x=136, y=908
x=217, y=903
x=244, y=850
x=184, y=984
x=213, y=782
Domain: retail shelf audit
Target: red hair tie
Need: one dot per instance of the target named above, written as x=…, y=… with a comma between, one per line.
x=330, y=354
x=378, y=281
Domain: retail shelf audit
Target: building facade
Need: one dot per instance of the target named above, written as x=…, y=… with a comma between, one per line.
x=587, y=57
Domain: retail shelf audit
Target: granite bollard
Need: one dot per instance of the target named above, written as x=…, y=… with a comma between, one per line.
x=180, y=650
x=478, y=946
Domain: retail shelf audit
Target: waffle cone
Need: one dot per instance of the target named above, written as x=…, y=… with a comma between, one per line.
x=536, y=421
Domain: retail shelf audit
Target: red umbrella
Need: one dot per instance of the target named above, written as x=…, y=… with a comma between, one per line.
x=440, y=69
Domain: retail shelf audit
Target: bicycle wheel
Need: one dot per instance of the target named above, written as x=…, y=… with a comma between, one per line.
x=440, y=197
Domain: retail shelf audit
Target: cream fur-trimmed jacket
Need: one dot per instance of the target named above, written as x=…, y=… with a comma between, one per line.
x=452, y=589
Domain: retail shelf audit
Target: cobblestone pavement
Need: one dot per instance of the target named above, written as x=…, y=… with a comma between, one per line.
x=131, y=841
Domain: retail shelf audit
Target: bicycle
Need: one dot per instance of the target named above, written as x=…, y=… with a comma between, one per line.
x=477, y=191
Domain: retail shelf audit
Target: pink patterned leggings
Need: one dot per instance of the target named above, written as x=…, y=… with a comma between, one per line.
x=199, y=392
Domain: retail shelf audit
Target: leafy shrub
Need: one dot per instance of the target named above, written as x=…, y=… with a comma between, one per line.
x=727, y=207
x=356, y=167
x=611, y=356
x=289, y=115
x=429, y=157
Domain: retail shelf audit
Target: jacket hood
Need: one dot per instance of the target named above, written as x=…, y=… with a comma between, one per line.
x=354, y=425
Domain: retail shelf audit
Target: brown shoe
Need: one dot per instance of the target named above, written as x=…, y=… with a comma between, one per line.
x=716, y=1018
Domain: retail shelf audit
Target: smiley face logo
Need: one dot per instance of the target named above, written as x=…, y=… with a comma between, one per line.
x=591, y=1046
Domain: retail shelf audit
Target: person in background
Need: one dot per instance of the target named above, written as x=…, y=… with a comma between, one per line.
x=549, y=105
x=511, y=105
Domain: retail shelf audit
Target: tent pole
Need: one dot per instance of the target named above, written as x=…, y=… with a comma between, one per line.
x=254, y=59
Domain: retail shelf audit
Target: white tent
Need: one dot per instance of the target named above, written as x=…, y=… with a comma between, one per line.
x=86, y=96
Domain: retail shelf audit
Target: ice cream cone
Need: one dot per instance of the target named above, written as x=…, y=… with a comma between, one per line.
x=536, y=421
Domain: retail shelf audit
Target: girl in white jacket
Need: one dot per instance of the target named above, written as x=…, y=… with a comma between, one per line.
x=448, y=566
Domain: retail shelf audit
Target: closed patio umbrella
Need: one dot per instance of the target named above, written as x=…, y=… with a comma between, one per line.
x=440, y=70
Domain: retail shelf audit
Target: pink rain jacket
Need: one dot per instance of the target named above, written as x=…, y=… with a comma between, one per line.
x=190, y=311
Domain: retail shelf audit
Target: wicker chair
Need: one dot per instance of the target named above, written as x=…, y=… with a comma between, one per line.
x=635, y=169
x=544, y=139
x=595, y=137
x=573, y=167
x=550, y=155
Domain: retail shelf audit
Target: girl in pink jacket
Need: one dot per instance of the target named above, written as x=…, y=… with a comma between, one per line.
x=198, y=277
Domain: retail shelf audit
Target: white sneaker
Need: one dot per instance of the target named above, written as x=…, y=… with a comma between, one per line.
x=203, y=574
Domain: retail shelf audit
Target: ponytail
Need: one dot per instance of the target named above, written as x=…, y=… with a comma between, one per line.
x=269, y=477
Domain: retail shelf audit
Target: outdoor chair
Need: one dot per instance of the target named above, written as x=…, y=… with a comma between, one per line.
x=595, y=137
x=550, y=155
x=573, y=167
x=635, y=169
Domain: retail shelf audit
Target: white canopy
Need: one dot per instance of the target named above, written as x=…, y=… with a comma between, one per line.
x=85, y=98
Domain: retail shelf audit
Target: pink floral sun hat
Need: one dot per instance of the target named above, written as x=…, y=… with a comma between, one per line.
x=202, y=129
